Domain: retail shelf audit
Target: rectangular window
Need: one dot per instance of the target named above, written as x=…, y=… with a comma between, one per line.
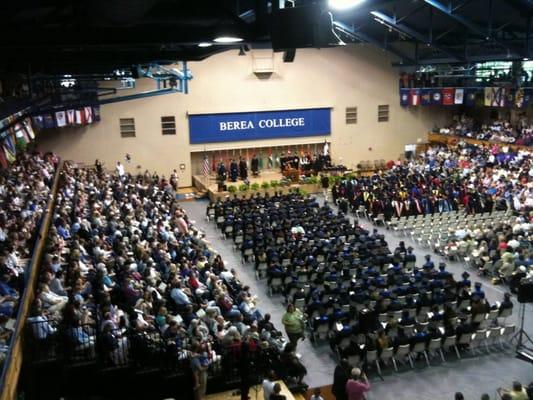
x=127, y=127
x=351, y=115
x=168, y=125
x=383, y=113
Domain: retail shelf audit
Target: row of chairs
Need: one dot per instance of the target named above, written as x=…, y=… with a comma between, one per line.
x=473, y=343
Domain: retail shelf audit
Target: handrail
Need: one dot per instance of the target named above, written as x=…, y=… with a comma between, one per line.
x=441, y=138
x=13, y=361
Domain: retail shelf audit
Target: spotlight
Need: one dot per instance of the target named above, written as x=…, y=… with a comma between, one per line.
x=204, y=44
x=227, y=39
x=344, y=4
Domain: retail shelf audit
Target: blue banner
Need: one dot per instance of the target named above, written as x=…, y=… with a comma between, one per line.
x=230, y=127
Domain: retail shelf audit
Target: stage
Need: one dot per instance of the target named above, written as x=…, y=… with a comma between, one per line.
x=209, y=185
x=256, y=392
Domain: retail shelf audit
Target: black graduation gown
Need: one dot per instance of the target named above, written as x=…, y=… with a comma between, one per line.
x=243, y=170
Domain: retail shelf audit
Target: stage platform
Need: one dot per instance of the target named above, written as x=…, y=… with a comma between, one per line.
x=256, y=392
x=209, y=185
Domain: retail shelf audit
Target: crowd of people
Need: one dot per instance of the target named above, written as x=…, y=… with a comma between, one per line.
x=128, y=278
x=497, y=131
x=24, y=195
x=443, y=179
x=346, y=278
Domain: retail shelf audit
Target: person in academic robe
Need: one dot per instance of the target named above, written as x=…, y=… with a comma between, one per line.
x=255, y=165
x=234, y=170
x=243, y=169
x=222, y=173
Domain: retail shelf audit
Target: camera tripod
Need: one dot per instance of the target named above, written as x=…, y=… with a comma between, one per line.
x=521, y=336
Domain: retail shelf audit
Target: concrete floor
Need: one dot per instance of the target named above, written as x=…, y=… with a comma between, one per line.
x=472, y=375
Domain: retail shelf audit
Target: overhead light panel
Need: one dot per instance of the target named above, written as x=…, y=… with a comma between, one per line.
x=344, y=4
x=204, y=44
x=228, y=39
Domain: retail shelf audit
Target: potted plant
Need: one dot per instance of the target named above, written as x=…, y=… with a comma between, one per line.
x=232, y=189
x=243, y=187
x=254, y=186
x=274, y=184
x=265, y=185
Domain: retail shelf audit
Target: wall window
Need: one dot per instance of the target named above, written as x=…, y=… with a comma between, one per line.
x=168, y=125
x=383, y=113
x=351, y=115
x=127, y=127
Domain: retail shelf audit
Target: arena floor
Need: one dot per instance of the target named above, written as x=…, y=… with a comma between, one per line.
x=472, y=375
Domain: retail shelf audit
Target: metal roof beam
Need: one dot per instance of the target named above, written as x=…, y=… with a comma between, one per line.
x=404, y=29
x=469, y=24
x=362, y=37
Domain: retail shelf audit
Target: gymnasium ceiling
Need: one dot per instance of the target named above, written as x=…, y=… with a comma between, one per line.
x=97, y=36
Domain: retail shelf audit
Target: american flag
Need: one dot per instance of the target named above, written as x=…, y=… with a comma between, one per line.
x=206, y=165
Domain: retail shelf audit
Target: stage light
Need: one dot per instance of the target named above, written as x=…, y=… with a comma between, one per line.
x=228, y=39
x=344, y=4
x=204, y=44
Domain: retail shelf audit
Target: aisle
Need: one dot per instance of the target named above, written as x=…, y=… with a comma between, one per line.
x=318, y=360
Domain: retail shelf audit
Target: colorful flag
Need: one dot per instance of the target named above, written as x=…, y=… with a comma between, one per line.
x=206, y=165
x=528, y=95
x=459, y=96
x=509, y=98
x=19, y=135
x=3, y=160
x=470, y=97
x=519, y=98
x=96, y=113
x=448, y=96
x=436, y=97
x=494, y=97
x=71, y=117
x=61, y=119
x=49, y=121
x=80, y=117
x=29, y=128
x=88, y=112
x=414, y=97
x=404, y=97
x=425, y=97
x=10, y=157
x=38, y=120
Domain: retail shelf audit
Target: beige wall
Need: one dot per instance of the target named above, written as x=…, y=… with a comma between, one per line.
x=358, y=76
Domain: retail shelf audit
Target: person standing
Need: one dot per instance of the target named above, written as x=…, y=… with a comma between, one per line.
x=243, y=169
x=340, y=378
x=120, y=170
x=357, y=385
x=293, y=321
x=234, y=170
x=199, y=372
x=324, y=180
x=268, y=385
x=255, y=165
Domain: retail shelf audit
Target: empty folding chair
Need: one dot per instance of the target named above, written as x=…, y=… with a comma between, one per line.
x=402, y=352
x=261, y=270
x=372, y=357
x=275, y=285
x=478, y=338
x=507, y=332
x=464, y=340
x=450, y=342
x=419, y=348
x=435, y=347
x=386, y=355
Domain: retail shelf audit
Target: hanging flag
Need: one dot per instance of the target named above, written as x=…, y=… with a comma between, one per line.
x=425, y=97
x=206, y=165
x=470, y=97
x=88, y=113
x=519, y=98
x=38, y=120
x=448, y=96
x=61, y=119
x=528, y=95
x=459, y=96
x=96, y=113
x=49, y=121
x=270, y=160
x=436, y=96
x=10, y=156
x=71, y=117
x=19, y=135
x=3, y=160
x=489, y=96
x=414, y=97
x=509, y=98
x=29, y=128
x=404, y=97
x=80, y=117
